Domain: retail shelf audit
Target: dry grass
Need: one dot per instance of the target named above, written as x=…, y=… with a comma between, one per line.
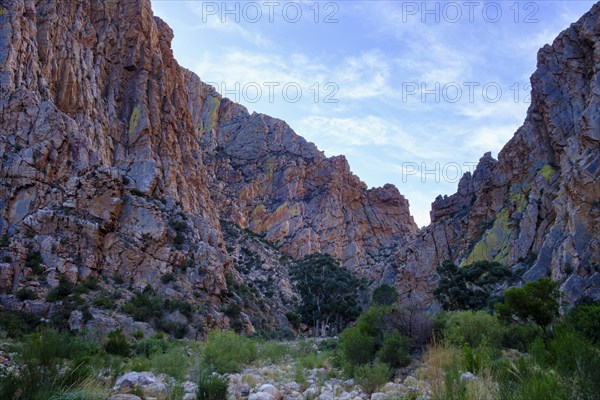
x=91, y=389
x=442, y=357
x=437, y=358
x=484, y=388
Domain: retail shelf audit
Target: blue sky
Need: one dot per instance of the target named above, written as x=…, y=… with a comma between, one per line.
x=411, y=92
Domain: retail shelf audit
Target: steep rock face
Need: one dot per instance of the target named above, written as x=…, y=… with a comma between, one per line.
x=118, y=163
x=272, y=181
x=538, y=206
x=100, y=158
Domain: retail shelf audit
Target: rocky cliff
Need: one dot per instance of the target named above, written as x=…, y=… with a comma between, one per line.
x=536, y=208
x=117, y=163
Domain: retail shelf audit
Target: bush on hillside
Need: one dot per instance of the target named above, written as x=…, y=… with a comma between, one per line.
x=472, y=328
x=228, y=352
x=371, y=377
x=395, y=350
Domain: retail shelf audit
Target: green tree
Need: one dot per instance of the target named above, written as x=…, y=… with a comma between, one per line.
x=356, y=347
x=385, y=295
x=329, y=293
x=536, y=302
x=469, y=287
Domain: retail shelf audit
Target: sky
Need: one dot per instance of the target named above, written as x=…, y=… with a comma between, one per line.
x=413, y=93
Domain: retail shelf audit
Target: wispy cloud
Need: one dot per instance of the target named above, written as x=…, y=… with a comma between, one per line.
x=351, y=131
x=220, y=25
x=356, y=78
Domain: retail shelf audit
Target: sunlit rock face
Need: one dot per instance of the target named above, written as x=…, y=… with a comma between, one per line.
x=538, y=206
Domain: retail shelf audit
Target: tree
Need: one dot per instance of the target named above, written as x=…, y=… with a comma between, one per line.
x=385, y=295
x=469, y=287
x=328, y=292
x=536, y=302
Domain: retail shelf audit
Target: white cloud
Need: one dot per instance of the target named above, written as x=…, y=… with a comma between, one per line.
x=364, y=76
x=350, y=131
x=221, y=24
x=491, y=138
x=355, y=78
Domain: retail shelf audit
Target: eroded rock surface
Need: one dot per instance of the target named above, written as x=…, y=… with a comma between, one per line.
x=538, y=205
x=118, y=163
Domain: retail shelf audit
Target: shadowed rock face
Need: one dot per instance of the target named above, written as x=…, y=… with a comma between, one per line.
x=538, y=205
x=117, y=161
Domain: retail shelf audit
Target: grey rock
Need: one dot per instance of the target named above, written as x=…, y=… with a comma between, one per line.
x=467, y=377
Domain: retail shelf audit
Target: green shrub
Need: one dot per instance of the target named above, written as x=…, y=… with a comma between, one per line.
x=534, y=383
x=211, y=386
x=536, y=302
x=138, y=334
x=313, y=359
x=385, y=295
x=168, y=277
x=26, y=294
x=356, y=348
x=480, y=359
x=117, y=344
x=62, y=312
x=103, y=300
x=91, y=283
x=4, y=241
x=18, y=323
x=179, y=240
x=182, y=306
x=34, y=261
x=176, y=391
x=51, y=364
x=371, y=377
x=576, y=360
x=178, y=226
x=519, y=336
x=328, y=344
x=149, y=347
x=174, y=362
x=228, y=352
x=145, y=306
x=300, y=377
x=177, y=329
x=62, y=291
x=294, y=319
x=272, y=351
x=585, y=318
x=376, y=322
x=395, y=350
x=472, y=328
x=232, y=310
